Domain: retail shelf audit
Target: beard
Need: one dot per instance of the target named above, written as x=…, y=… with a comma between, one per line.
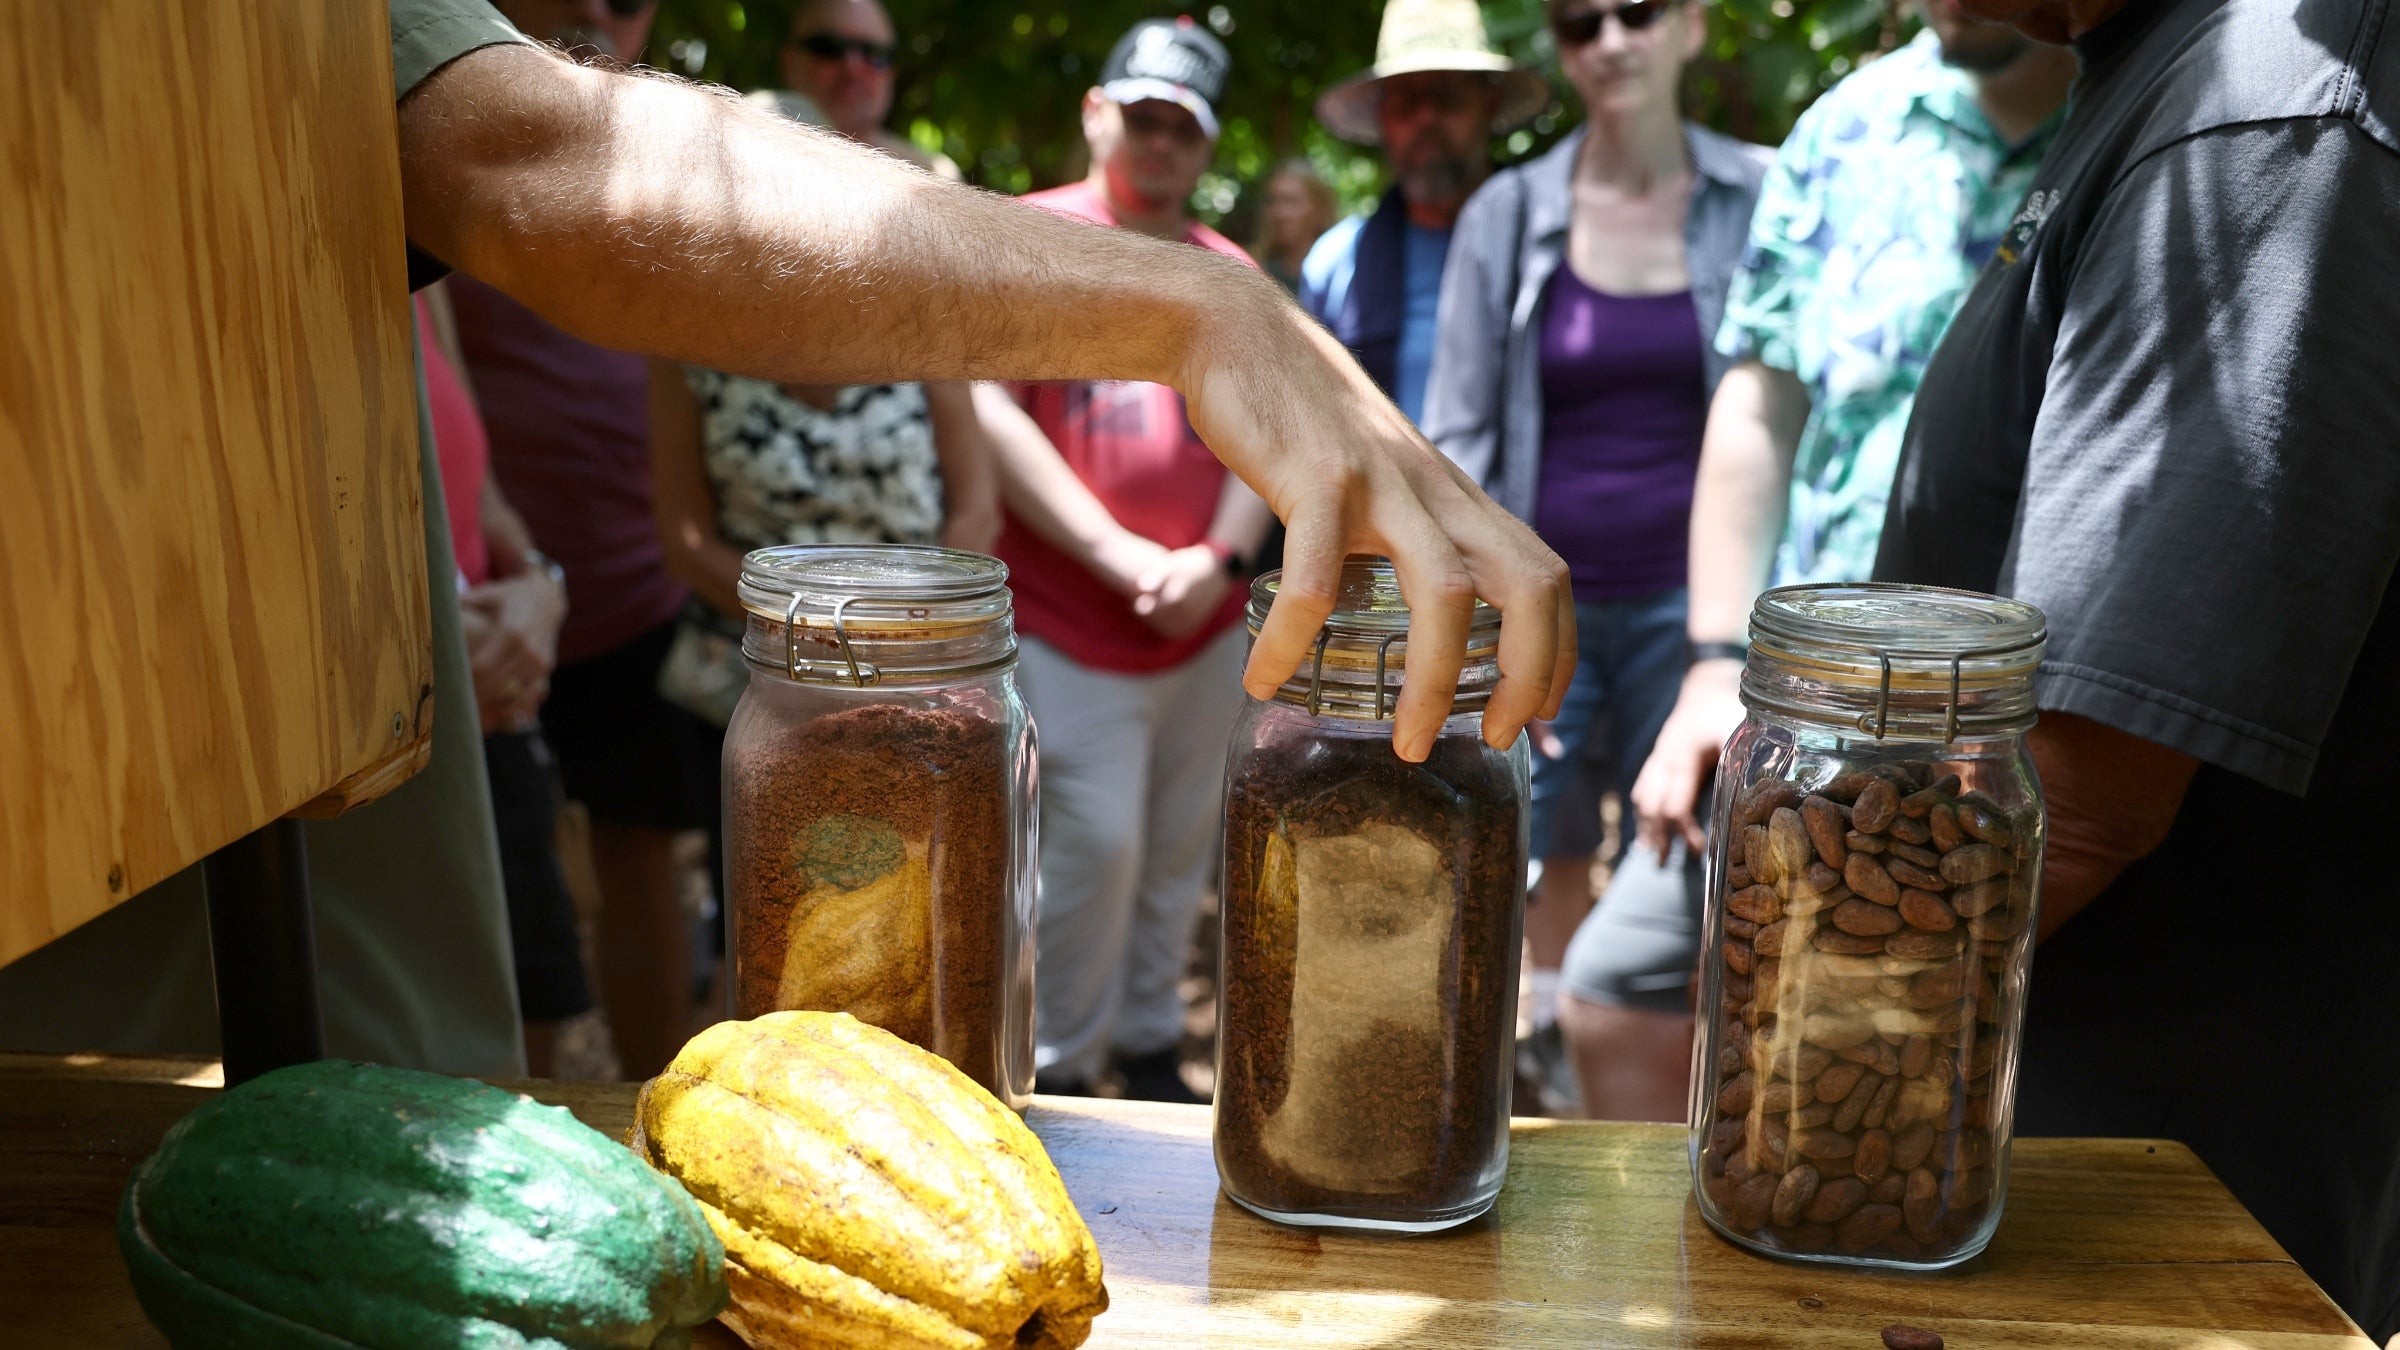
x=1438, y=179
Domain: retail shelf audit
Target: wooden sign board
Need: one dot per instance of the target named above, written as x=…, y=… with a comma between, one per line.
x=212, y=563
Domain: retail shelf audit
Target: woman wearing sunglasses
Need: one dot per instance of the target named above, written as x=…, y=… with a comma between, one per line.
x=1571, y=376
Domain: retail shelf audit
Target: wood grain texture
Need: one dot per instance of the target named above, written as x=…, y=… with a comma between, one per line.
x=2107, y=1244
x=210, y=518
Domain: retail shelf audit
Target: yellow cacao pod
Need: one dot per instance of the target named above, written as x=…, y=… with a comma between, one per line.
x=868, y=1193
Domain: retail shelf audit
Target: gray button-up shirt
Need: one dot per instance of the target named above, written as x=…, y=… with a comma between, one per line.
x=1483, y=401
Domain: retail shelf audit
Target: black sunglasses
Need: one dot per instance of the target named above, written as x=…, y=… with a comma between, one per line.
x=1581, y=27
x=626, y=9
x=827, y=46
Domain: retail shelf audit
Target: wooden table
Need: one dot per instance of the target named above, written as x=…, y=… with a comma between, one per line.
x=2107, y=1243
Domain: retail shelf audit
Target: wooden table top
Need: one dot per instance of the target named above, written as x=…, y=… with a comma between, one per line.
x=2106, y=1243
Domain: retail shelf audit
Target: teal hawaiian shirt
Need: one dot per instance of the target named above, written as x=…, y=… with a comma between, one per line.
x=1882, y=204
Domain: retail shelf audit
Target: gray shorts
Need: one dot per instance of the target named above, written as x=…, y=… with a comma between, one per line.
x=1637, y=946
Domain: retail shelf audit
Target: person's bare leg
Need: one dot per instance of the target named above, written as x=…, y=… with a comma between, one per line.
x=1560, y=902
x=1634, y=1064
x=645, y=945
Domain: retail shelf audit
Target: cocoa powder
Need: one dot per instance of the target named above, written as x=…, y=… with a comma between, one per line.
x=1371, y=922
x=867, y=862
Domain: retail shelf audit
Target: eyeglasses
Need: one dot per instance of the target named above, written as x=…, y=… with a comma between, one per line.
x=1583, y=26
x=626, y=9
x=829, y=47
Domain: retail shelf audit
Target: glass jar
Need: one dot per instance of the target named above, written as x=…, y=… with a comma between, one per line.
x=879, y=802
x=1371, y=913
x=1872, y=879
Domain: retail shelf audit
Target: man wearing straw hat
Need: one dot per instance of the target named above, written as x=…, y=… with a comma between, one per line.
x=1436, y=95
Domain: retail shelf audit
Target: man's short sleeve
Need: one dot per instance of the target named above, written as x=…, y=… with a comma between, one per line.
x=1778, y=274
x=429, y=34
x=2211, y=502
x=426, y=36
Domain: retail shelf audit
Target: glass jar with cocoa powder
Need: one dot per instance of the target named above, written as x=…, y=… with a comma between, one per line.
x=1873, y=875
x=879, y=802
x=1371, y=911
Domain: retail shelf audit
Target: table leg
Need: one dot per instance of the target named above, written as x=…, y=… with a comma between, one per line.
x=264, y=948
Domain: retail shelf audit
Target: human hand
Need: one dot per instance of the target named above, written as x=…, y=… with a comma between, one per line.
x=1124, y=559
x=509, y=685
x=1546, y=742
x=1666, y=794
x=1284, y=406
x=1181, y=591
x=511, y=628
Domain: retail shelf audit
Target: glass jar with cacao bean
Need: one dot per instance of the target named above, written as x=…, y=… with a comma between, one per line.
x=1872, y=879
x=1371, y=913
x=879, y=802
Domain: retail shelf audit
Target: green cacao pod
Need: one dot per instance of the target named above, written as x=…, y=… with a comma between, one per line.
x=343, y=1205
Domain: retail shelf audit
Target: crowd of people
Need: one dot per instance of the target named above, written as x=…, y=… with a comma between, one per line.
x=2104, y=358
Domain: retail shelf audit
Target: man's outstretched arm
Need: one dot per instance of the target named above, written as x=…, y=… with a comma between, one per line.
x=650, y=215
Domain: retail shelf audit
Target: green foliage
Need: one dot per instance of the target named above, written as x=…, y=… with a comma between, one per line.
x=997, y=84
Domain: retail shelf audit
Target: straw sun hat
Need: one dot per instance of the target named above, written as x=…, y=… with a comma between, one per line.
x=1420, y=35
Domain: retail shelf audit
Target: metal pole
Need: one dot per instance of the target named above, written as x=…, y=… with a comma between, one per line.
x=262, y=943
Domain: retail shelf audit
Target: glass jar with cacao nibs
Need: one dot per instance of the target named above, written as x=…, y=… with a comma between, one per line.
x=1872, y=881
x=1372, y=911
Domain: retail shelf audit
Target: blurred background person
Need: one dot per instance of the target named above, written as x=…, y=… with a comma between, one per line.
x=1125, y=542
x=569, y=425
x=838, y=55
x=1297, y=209
x=1432, y=102
x=740, y=463
x=1571, y=377
x=512, y=601
x=1884, y=203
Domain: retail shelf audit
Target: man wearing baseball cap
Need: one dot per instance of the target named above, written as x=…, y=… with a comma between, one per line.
x=1434, y=99
x=1125, y=542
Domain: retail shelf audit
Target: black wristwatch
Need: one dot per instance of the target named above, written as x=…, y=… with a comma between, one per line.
x=1717, y=651
x=1235, y=565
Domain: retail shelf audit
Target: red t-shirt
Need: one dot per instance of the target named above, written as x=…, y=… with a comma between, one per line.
x=1132, y=446
x=464, y=454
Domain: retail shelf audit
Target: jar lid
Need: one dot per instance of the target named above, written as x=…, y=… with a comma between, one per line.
x=1896, y=657
x=867, y=614
x=1361, y=655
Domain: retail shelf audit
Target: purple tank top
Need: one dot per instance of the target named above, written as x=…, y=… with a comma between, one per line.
x=1624, y=398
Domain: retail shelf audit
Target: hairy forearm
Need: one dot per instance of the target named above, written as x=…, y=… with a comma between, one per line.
x=649, y=214
x=2111, y=798
x=1738, y=503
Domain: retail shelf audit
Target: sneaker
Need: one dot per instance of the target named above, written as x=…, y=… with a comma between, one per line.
x=1157, y=1077
x=1544, y=1065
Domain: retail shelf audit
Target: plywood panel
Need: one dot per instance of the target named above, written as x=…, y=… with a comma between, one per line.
x=212, y=574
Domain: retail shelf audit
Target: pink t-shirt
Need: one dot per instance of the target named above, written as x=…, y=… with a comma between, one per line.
x=462, y=451
x=1131, y=444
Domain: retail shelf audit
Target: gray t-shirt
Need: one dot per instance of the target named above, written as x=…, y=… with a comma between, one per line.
x=2169, y=414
